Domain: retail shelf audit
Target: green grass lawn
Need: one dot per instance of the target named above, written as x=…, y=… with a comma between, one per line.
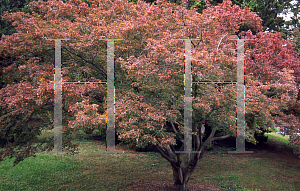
x=92, y=170
x=276, y=138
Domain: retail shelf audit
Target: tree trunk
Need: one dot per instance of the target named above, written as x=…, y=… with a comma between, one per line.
x=179, y=180
x=180, y=187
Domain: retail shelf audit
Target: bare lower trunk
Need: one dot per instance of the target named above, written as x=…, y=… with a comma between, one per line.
x=180, y=179
x=180, y=187
x=183, y=172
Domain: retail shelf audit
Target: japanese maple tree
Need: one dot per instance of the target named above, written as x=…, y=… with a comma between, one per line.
x=149, y=68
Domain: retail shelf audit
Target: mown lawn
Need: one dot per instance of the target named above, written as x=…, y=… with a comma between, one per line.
x=92, y=170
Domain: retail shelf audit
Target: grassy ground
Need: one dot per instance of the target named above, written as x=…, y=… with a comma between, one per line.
x=278, y=139
x=92, y=170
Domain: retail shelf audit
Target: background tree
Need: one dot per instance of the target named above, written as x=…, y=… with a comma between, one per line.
x=11, y=6
x=294, y=7
x=293, y=25
x=295, y=38
x=269, y=11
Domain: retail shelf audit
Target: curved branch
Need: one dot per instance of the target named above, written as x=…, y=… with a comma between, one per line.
x=103, y=73
x=220, y=138
x=173, y=126
x=163, y=152
x=211, y=135
x=221, y=40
